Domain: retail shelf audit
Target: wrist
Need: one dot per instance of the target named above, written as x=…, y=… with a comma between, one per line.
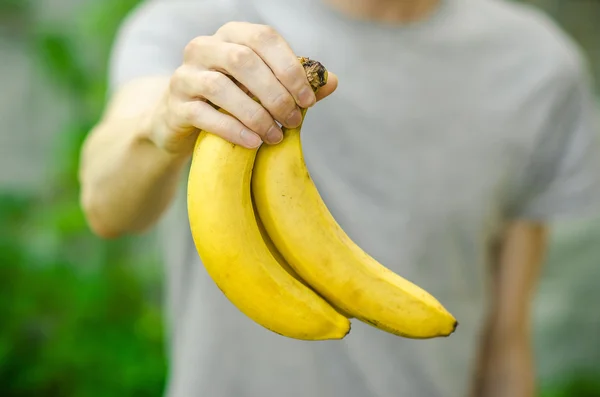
x=151, y=132
x=143, y=140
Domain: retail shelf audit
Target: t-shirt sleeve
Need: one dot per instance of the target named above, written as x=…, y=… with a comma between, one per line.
x=151, y=39
x=562, y=176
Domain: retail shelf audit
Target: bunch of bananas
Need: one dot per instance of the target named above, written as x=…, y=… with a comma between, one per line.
x=268, y=241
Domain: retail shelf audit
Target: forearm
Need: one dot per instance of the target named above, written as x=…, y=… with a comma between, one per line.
x=126, y=180
x=508, y=366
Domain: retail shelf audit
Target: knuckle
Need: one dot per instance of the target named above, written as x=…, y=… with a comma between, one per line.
x=259, y=120
x=231, y=25
x=264, y=34
x=177, y=79
x=224, y=126
x=193, y=46
x=290, y=74
x=211, y=83
x=240, y=57
x=188, y=114
x=283, y=104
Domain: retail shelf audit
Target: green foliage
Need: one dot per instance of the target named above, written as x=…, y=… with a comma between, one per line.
x=79, y=317
x=13, y=6
x=77, y=320
x=575, y=385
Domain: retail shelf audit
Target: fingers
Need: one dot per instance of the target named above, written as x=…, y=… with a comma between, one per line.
x=276, y=54
x=239, y=61
x=204, y=117
x=224, y=93
x=243, y=64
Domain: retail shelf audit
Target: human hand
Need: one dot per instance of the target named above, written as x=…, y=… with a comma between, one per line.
x=222, y=71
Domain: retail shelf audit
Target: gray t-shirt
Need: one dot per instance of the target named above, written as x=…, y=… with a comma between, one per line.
x=439, y=133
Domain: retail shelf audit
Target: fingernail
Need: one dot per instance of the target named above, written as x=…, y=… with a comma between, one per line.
x=307, y=97
x=250, y=138
x=294, y=119
x=274, y=135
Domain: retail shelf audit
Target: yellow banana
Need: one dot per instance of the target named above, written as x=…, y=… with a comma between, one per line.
x=229, y=242
x=321, y=253
x=280, y=259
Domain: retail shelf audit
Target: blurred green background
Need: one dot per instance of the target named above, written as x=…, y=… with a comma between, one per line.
x=81, y=317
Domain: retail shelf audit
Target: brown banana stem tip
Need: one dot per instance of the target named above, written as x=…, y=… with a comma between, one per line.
x=315, y=72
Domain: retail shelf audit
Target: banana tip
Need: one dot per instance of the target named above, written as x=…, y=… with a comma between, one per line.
x=349, y=329
x=454, y=326
x=447, y=334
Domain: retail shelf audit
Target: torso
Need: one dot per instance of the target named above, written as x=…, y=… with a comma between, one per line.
x=416, y=154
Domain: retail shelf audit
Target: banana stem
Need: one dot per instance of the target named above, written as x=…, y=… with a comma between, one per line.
x=315, y=72
x=317, y=76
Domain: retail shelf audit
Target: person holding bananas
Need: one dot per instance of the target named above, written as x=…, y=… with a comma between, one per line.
x=452, y=132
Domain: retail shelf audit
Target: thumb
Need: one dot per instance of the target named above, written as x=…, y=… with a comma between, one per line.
x=327, y=89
